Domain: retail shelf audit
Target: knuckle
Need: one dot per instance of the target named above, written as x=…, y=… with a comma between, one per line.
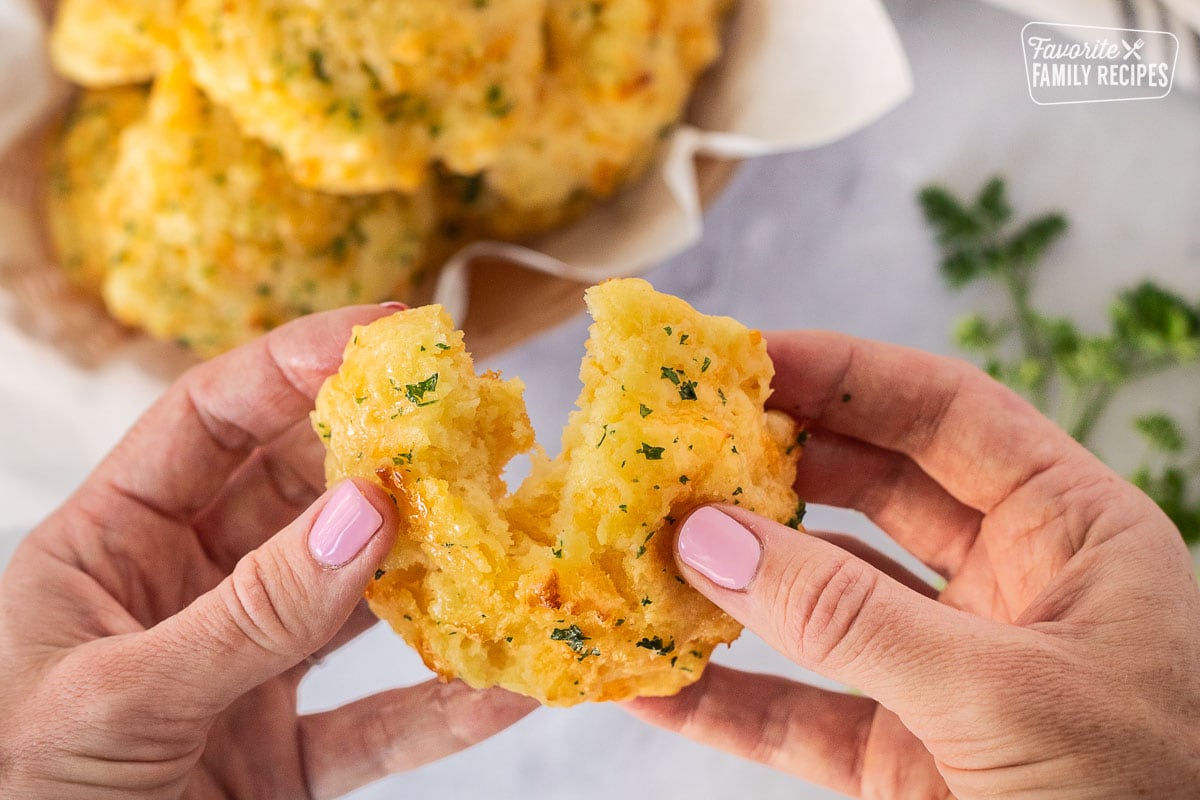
x=91, y=697
x=92, y=685
x=393, y=741
x=379, y=736
x=461, y=716
x=824, y=610
x=775, y=731
x=932, y=406
x=257, y=603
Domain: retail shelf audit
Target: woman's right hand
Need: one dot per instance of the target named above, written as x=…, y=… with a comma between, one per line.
x=1062, y=659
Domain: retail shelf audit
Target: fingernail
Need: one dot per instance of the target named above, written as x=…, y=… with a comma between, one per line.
x=396, y=304
x=719, y=548
x=344, y=526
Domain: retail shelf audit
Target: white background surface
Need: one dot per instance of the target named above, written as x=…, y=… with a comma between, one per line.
x=828, y=239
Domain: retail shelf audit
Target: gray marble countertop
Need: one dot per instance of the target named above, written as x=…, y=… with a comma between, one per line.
x=831, y=238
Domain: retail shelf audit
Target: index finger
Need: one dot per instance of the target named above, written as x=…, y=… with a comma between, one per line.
x=979, y=440
x=180, y=453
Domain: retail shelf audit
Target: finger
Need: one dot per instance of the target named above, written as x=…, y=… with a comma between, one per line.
x=832, y=612
x=814, y=734
x=978, y=439
x=180, y=453
x=270, y=489
x=399, y=730
x=885, y=564
x=281, y=603
x=893, y=492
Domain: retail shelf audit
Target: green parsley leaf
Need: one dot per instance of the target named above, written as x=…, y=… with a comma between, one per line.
x=798, y=515
x=416, y=391
x=656, y=644
x=650, y=452
x=497, y=104
x=573, y=637
x=1161, y=432
x=316, y=61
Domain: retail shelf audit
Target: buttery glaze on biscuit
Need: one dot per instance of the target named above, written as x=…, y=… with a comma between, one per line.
x=565, y=590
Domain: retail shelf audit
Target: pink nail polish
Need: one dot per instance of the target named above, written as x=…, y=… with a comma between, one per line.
x=395, y=304
x=344, y=526
x=719, y=548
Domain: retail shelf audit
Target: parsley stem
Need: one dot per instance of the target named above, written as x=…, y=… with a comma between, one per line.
x=1065, y=372
x=1017, y=281
x=1081, y=430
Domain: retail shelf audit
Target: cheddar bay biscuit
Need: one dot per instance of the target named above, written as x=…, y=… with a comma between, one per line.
x=102, y=43
x=81, y=159
x=565, y=590
x=618, y=76
x=210, y=241
x=366, y=97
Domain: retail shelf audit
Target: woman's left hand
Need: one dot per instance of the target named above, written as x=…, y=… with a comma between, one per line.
x=154, y=630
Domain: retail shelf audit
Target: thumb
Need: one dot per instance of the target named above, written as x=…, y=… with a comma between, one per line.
x=281, y=603
x=828, y=610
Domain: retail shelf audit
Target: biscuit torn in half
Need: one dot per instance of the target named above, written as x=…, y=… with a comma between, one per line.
x=565, y=590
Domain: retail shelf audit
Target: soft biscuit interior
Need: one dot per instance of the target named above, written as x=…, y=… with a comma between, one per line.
x=566, y=589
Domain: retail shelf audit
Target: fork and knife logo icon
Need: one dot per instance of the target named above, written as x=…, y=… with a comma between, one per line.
x=1132, y=49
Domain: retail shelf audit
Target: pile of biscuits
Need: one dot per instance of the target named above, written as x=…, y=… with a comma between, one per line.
x=230, y=166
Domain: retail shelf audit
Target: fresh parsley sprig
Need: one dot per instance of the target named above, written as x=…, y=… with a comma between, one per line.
x=1166, y=472
x=1068, y=374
